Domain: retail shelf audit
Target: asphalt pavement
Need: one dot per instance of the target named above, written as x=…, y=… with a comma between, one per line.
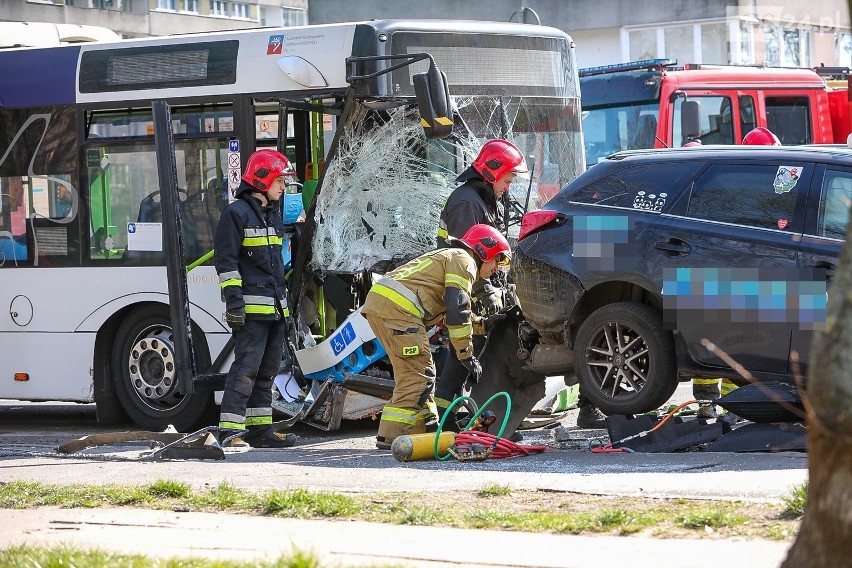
x=347, y=462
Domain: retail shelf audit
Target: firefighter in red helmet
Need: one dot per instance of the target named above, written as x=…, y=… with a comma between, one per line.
x=248, y=243
x=761, y=136
x=406, y=301
x=477, y=200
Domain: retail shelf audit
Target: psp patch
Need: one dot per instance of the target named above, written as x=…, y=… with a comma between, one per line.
x=410, y=351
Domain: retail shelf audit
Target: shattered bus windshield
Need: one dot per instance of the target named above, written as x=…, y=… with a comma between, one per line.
x=382, y=196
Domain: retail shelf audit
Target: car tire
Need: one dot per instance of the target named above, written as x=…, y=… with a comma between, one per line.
x=143, y=371
x=640, y=381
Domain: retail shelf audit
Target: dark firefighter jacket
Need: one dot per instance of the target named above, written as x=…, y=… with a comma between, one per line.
x=248, y=244
x=470, y=204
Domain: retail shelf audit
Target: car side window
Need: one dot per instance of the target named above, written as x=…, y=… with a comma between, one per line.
x=750, y=195
x=834, y=204
x=648, y=187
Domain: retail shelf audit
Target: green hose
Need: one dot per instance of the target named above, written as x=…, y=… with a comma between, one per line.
x=472, y=421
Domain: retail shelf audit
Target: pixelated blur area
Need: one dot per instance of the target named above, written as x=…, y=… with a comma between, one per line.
x=603, y=243
x=789, y=298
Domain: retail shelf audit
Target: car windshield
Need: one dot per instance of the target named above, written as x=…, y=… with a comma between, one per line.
x=614, y=128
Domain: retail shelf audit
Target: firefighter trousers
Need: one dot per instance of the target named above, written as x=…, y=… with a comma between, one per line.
x=412, y=404
x=258, y=348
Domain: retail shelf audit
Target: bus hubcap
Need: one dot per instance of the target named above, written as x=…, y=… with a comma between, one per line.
x=152, y=366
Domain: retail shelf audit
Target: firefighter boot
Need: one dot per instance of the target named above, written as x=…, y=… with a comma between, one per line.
x=266, y=437
x=590, y=416
x=231, y=438
x=706, y=389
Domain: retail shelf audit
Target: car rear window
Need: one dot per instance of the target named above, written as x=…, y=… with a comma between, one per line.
x=748, y=194
x=647, y=186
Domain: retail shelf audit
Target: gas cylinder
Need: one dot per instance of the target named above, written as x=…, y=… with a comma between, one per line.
x=415, y=447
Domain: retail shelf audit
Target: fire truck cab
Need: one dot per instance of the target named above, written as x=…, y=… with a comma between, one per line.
x=653, y=103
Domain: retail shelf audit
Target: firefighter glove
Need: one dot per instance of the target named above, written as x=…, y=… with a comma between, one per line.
x=235, y=318
x=474, y=369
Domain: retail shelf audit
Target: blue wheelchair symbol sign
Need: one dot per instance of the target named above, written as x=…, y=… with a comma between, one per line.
x=344, y=337
x=233, y=145
x=131, y=227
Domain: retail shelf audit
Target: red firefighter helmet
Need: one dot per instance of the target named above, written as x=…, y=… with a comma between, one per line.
x=761, y=136
x=486, y=242
x=264, y=166
x=498, y=157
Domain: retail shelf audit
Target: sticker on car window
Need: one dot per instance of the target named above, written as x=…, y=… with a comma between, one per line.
x=650, y=202
x=786, y=178
x=782, y=224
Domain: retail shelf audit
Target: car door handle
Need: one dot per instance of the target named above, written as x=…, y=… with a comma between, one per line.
x=829, y=268
x=673, y=247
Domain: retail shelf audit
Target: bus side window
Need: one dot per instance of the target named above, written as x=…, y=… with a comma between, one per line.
x=13, y=221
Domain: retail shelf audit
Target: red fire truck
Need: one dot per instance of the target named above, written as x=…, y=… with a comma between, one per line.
x=654, y=103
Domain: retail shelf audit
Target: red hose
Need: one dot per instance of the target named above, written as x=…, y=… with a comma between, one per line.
x=501, y=447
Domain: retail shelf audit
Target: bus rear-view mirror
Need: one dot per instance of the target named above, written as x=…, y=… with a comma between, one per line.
x=690, y=119
x=434, y=103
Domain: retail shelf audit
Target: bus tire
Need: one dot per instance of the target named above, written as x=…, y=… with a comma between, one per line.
x=144, y=373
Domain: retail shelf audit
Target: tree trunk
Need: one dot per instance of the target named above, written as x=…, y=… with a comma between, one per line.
x=825, y=536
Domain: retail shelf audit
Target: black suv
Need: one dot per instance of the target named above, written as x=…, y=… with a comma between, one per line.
x=638, y=262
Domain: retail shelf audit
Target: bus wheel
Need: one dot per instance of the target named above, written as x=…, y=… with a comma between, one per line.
x=143, y=367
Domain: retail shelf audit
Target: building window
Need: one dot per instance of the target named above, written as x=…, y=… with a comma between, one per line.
x=714, y=43
x=787, y=47
x=843, y=49
x=680, y=43
x=293, y=16
x=218, y=8
x=189, y=6
x=166, y=5
x=643, y=44
x=240, y=10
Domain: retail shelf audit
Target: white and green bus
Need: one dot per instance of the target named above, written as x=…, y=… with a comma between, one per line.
x=83, y=282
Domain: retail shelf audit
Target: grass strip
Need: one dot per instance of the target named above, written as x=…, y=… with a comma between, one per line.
x=491, y=507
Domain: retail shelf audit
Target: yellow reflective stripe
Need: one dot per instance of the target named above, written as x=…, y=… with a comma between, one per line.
x=253, y=309
x=461, y=281
x=442, y=232
x=444, y=403
x=426, y=262
x=232, y=282
x=705, y=381
x=425, y=123
x=258, y=420
x=402, y=415
x=232, y=425
x=262, y=241
x=460, y=331
x=397, y=299
x=443, y=120
x=727, y=387
x=286, y=312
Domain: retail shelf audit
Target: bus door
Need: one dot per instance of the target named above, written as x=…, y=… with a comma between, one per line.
x=123, y=188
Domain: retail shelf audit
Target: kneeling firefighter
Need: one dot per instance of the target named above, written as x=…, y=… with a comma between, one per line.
x=415, y=296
